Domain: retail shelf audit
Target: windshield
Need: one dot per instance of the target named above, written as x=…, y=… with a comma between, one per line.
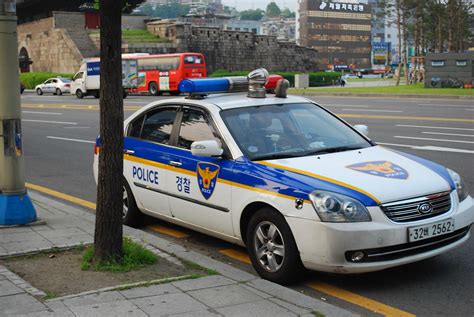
x=289, y=130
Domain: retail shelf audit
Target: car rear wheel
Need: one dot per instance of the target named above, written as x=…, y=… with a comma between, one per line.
x=79, y=94
x=58, y=92
x=39, y=91
x=153, y=89
x=272, y=248
x=132, y=216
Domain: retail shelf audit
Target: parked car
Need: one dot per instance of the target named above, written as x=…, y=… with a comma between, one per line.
x=55, y=86
x=287, y=178
x=351, y=76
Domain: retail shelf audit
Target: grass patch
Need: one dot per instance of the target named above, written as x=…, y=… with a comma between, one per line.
x=318, y=314
x=134, y=256
x=417, y=89
x=140, y=36
x=50, y=295
x=30, y=80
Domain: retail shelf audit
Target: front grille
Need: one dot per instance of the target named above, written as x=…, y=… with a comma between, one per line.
x=408, y=249
x=409, y=210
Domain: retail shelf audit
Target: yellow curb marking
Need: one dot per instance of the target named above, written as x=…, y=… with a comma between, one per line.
x=347, y=296
x=359, y=300
x=66, y=197
x=236, y=254
x=168, y=231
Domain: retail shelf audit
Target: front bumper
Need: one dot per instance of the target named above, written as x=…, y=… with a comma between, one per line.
x=327, y=246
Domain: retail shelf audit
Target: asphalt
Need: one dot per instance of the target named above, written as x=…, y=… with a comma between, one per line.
x=58, y=155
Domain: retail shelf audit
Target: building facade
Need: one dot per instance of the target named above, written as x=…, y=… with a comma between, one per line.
x=282, y=28
x=339, y=31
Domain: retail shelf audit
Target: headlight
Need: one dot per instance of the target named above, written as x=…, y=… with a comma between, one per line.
x=332, y=207
x=461, y=188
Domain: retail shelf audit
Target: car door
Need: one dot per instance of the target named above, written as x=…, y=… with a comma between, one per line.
x=198, y=193
x=47, y=85
x=146, y=148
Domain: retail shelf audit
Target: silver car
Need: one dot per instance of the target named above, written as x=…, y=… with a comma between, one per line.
x=56, y=86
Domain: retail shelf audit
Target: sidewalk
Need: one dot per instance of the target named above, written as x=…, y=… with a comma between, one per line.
x=232, y=293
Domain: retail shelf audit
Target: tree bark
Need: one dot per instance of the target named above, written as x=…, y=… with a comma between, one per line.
x=108, y=226
x=398, y=9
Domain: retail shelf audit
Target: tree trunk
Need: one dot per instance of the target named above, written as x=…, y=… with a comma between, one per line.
x=399, y=42
x=108, y=226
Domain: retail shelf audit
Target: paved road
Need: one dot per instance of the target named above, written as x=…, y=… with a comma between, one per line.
x=59, y=133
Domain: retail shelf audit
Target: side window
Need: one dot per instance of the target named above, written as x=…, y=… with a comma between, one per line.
x=158, y=125
x=135, y=127
x=194, y=127
x=48, y=82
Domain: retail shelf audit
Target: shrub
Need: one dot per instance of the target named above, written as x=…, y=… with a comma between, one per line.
x=315, y=78
x=30, y=80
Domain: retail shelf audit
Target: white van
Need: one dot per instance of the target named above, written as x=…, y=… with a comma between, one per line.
x=86, y=82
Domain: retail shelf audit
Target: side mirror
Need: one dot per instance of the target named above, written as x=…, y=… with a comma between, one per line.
x=362, y=128
x=206, y=148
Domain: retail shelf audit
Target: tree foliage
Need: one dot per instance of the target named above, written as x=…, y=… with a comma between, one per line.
x=165, y=11
x=254, y=15
x=287, y=13
x=273, y=10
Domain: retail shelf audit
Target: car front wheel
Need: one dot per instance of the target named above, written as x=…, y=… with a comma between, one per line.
x=39, y=91
x=79, y=94
x=58, y=92
x=272, y=248
x=132, y=216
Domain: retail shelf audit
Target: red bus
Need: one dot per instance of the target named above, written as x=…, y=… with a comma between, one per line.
x=162, y=73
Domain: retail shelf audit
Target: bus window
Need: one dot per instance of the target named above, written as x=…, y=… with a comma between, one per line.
x=165, y=63
x=193, y=59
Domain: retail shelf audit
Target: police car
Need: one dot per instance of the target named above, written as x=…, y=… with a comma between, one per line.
x=288, y=179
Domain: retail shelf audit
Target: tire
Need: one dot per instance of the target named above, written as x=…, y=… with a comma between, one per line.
x=132, y=216
x=153, y=89
x=96, y=94
x=58, y=92
x=286, y=266
x=79, y=94
x=125, y=94
x=39, y=91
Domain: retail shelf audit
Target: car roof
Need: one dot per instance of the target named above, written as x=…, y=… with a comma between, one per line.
x=240, y=100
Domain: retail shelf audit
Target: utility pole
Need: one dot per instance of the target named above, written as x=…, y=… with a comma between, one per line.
x=15, y=205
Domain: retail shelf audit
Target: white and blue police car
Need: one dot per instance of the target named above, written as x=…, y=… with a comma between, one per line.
x=285, y=177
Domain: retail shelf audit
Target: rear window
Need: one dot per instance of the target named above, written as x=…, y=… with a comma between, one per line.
x=193, y=59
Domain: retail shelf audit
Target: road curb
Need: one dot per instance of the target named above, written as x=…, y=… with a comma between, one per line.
x=437, y=97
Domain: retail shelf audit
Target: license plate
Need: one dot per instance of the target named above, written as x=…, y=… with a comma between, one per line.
x=431, y=230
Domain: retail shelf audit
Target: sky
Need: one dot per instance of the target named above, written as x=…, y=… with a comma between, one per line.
x=260, y=4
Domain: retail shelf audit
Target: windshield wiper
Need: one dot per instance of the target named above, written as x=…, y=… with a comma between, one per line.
x=275, y=156
x=334, y=150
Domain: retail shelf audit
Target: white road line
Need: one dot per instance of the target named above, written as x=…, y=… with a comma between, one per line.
x=73, y=140
x=453, y=134
x=469, y=109
x=429, y=148
x=371, y=110
x=431, y=105
x=38, y=112
x=432, y=127
x=428, y=139
x=56, y=122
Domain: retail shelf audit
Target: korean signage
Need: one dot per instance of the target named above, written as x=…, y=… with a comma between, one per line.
x=338, y=6
x=380, y=53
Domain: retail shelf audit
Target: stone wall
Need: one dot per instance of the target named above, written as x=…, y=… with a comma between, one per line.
x=51, y=50
x=235, y=51
x=69, y=20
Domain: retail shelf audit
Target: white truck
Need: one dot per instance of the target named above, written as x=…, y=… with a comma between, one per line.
x=86, y=82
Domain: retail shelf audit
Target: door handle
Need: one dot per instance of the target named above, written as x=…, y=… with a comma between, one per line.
x=174, y=163
x=129, y=152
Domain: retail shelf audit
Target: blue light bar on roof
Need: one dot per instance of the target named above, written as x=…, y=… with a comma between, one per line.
x=204, y=86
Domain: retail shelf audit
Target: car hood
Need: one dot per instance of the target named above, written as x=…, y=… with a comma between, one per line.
x=382, y=174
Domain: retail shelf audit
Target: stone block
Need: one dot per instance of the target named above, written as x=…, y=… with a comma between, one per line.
x=262, y=308
x=20, y=304
x=203, y=282
x=168, y=304
x=120, y=308
x=93, y=299
x=153, y=290
x=224, y=296
x=8, y=288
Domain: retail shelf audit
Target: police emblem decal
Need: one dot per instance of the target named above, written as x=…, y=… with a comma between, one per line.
x=207, y=175
x=381, y=168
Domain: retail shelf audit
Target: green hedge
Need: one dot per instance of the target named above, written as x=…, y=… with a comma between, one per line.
x=30, y=80
x=315, y=79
